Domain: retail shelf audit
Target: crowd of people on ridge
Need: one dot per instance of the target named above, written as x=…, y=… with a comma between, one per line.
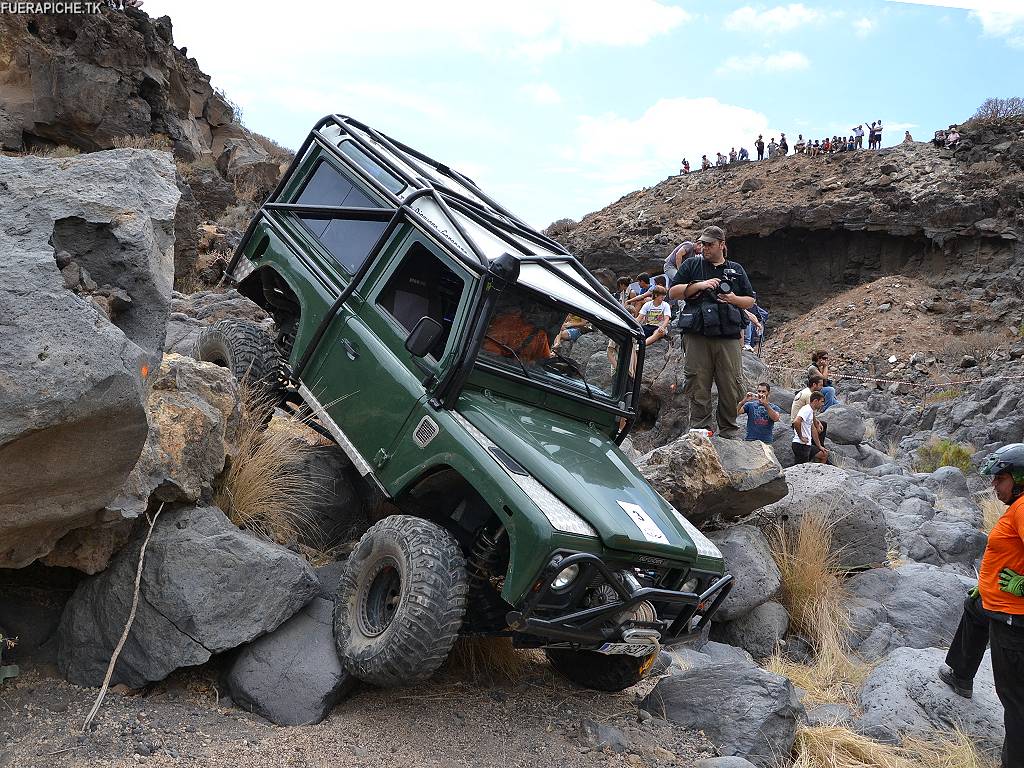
x=775, y=149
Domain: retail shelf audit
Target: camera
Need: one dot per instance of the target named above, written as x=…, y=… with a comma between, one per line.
x=730, y=277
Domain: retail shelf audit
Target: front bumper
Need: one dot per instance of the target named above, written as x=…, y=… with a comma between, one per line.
x=611, y=621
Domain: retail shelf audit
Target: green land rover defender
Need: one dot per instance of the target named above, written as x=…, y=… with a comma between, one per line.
x=419, y=322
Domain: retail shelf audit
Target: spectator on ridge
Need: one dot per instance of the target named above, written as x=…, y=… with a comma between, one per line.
x=808, y=442
x=799, y=146
x=759, y=146
x=907, y=138
x=761, y=414
x=655, y=315
x=858, y=136
x=783, y=145
x=773, y=148
x=826, y=146
x=952, y=138
x=685, y=167
x=732, y=155
x=878, y=135
x=721, y=160
x=850, y=145
x=704, y=162
x=744, y=155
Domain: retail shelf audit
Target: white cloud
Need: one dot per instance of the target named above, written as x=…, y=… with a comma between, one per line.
x=618, y=154
x=541, y=93
x=863, y=27
x=781, y=18
x=785, y=61
x=998, y=18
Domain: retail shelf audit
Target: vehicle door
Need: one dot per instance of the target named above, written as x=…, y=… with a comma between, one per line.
x=366, y=380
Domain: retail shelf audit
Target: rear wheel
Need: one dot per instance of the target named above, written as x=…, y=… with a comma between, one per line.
x=248, y=351
x=600, y=671
x=401, y=602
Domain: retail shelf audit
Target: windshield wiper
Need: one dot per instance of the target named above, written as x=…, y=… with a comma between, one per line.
x=511, y=351
x=575, y=369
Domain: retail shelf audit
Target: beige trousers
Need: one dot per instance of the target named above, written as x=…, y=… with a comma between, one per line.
x=718, y=360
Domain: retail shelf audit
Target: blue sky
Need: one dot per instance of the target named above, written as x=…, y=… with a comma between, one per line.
x=559, y=107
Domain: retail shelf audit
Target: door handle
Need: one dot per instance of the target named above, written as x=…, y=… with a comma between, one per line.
x=350, y=349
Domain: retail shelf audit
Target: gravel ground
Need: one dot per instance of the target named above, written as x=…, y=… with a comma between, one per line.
x=451, y=722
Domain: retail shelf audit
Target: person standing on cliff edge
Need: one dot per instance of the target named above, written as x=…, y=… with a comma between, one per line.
x=994, y=610
x=716, y=292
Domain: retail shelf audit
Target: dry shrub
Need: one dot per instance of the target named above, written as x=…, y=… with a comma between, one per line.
x=991, y=510
x=892, y=448
x=977, y=345
x=261, y=492
x=60, y=150
x=236, y=216
x=491, y=660
x=831, y=746
x=247, y=190
x=942, y=395
x=999, y=109
x=870, y=430
x=158, y=141
x=276, y=151
x=560, y=227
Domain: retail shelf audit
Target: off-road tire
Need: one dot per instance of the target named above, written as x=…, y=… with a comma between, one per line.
x=401, y=600
x=599, y=671
x=248, y=351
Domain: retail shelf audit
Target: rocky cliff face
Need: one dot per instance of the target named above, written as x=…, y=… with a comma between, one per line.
x=806, y=228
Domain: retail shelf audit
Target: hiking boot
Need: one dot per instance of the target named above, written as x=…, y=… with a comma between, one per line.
x=961, y=686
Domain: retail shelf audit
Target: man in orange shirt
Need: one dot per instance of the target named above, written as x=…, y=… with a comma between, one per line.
x=994, y=611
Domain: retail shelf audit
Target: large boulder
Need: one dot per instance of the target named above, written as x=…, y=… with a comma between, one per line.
x=903, y=696
x=759, y=632
x=713, y=481
x=845, y=424
x=206, y=587
x=292, y=676
x=916, y=605
x=859, y=526
x=84, y=294
x=194, y=418
x=748, y=557
x=745, y=711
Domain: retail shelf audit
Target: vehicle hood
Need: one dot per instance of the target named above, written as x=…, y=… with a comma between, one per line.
x=587, y=471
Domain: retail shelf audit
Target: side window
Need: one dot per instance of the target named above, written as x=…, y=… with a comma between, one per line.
x=423, y=286
x=347, y=240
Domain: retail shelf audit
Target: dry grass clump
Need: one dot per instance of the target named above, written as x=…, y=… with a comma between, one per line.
x=977, y=345
x=813, y=593
x=491, y=660
x=892, y=448
x=276, y=151
x=261, y=491
x=830, y=746
x=158, y=141
x=991, y=510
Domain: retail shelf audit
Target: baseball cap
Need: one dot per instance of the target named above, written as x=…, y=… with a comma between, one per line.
x=712, y=234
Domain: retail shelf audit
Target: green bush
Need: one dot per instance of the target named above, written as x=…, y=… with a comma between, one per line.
x=943, y=452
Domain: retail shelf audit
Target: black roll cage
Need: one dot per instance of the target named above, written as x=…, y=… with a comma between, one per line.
x=490, y=215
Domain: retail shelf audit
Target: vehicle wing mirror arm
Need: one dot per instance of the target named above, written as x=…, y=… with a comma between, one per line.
x=502, y=273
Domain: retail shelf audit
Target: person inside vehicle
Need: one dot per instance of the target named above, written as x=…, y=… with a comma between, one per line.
x=994, y=609
x=511, y=335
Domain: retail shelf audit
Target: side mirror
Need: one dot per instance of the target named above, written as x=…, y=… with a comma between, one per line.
x=424, y=336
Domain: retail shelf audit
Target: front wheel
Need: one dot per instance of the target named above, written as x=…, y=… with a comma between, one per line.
x=401, y=601
x=600, y=671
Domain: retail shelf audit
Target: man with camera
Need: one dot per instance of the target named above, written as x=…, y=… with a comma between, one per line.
x=716, y=291
x=761, y=414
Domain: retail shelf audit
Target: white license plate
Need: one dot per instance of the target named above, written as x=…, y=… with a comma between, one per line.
x=629, y=649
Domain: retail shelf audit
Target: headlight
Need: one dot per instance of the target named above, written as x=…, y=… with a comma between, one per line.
x=704, y=545
x=690, y=585
x=566, y=576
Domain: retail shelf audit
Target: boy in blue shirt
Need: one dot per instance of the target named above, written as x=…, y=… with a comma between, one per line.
x=761, y=415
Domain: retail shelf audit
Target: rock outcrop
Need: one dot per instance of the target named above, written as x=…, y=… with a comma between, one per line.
x=88, y=266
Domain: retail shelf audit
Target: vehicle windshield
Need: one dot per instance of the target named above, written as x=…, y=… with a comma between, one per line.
x=536, y=340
